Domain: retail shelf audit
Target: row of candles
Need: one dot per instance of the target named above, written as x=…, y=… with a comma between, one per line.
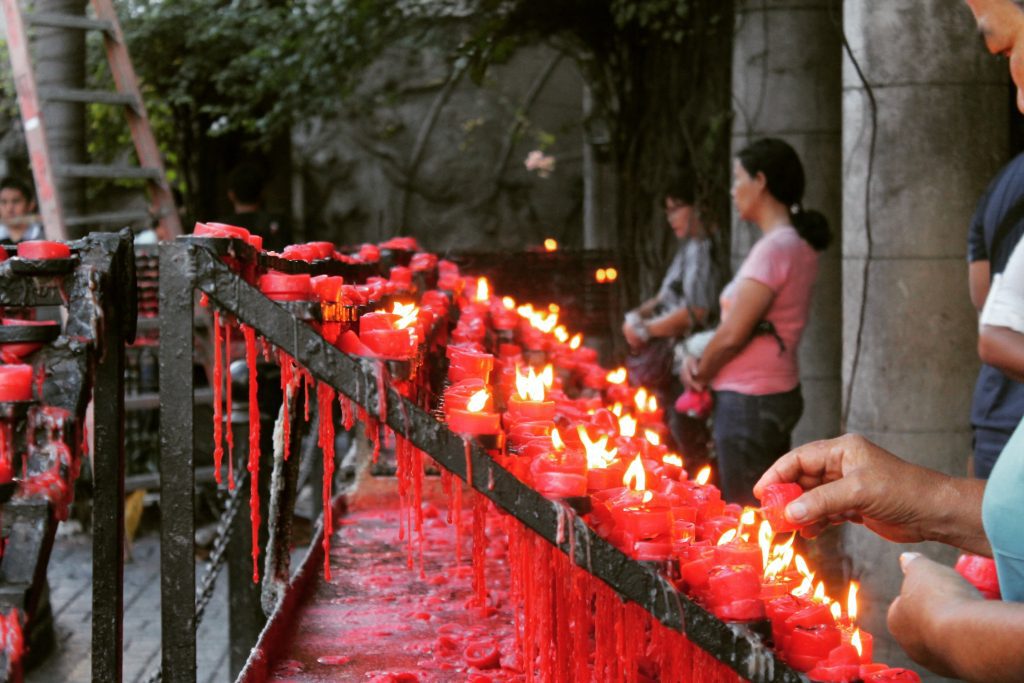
x=577, y=432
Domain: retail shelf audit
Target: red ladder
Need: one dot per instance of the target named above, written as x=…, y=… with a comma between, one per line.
x=126, y=95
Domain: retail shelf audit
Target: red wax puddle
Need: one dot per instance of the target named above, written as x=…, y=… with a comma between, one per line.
x=218, y=385
x=254, y=450
x=287, y=378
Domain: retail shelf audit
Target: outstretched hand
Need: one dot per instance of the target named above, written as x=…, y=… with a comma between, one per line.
x=852, y=479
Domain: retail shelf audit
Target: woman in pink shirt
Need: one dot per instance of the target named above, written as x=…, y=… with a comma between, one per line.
x=751, y=362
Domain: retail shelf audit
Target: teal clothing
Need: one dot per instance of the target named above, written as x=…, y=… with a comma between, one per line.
x=1003, y=516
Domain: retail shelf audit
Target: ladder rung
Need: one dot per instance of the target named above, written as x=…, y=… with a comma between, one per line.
x=111, y=172
x=54, y=20
x=88, y=96
x=110, y=218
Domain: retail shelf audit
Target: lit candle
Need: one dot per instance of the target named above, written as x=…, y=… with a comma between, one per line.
x=390, y=335
x=477, y=418
x=528, y=402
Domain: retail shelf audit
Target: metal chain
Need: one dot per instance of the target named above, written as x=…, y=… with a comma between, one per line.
x=215, y=563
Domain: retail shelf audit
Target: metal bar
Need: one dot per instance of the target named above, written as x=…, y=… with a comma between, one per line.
x=356, y=378
x=54, y=20
x=108, y=499
x=177, y=466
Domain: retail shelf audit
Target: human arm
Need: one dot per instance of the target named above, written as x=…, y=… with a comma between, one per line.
x=676, y=323
x=1002, y=348
x=852, y=479
x=646, y=309
x=978, y=275
x=944, y=624
x=751, y=302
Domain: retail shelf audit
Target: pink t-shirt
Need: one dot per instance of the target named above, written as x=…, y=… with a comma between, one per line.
x=785, y=263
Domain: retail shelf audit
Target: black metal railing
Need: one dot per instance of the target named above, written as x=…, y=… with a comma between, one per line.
x=191, y=264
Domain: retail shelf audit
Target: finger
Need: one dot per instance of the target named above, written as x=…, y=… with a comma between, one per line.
x=796, y=466
x=840, y=497
x=906, y=559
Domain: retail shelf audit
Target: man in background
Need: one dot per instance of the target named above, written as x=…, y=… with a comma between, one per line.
x=18, y=222
x=245, y=190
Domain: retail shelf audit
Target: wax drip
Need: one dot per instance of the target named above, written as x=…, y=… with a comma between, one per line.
x=254, y=450
x=382, y=391
x=325, y=405
x=218, y=406
x=227, y=409
x=6, y=452
x=287, y=377
x=479, y=547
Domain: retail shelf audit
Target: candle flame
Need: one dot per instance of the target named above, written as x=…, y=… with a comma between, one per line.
x=561, y=334
x=616, y=376
x=627, y=425
x=808, y=577
x=616, y=409
x=550, y=244
x=836, y=610
x=819, y=593
x=483, y=290
x=477, y=401
x=407, y=314
x=554, y=308
x=855, y=641
x=764, y=542
x=727, y=537
x=575, y=342
x=652, y=437
x=508, y=302
x=851, y=602
x=547, y=376
x=704, y=475
x=556, y=440
x=601, y=275
x=598, y=455
x=612, y=274
x=530, y=386
x=640, y=398
x=647, y=497
x=672, y=459
x=652, y=404
x=635, y=477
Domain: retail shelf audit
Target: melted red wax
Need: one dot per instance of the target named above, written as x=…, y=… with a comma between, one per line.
x=325, y=405
x=254, y=450
x=479, y=547
x=227, y=408
x=287, y=379
x=6, y=453
x=218, y=408
x=12, y=642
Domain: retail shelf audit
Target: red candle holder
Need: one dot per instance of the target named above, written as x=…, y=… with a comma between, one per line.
x=15, y=382
x=43, y=250
x=285, y=287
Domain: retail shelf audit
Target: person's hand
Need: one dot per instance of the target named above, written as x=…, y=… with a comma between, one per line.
x=852, y=479
x=689, y=374
x=632, y=338
x=931, y=593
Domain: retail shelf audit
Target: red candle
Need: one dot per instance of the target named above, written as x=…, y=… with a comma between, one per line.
x=652, y=550
x=560, y=474
x=41, y=249
x=473, y=423
x=602, y=478
x=866, y=641
x=841, y=666
x=748, y=554
x=466, y=363
x=732, y=593
x=523, y=409
x=377, y=331
x=774, y=500
x=15, y=382
x=980, y=572
x=808, y=645
x=285, y=287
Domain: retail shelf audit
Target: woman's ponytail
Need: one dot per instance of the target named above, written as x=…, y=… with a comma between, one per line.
x=813, y=227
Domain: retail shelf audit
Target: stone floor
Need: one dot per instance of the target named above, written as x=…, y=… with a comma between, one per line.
x=70, y=576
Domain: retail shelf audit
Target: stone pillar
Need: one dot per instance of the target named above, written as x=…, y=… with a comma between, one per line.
x=786, y=84
x=909, y=358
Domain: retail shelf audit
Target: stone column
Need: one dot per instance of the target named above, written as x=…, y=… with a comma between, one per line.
x=909, y=332
x=786, y=84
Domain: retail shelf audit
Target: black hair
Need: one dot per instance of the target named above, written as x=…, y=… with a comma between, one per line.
x=784, y=178
x=12, y=183
x=246, y=182
x=682, y=186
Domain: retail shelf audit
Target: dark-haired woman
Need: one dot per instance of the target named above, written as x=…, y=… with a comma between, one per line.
x=751, y=362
